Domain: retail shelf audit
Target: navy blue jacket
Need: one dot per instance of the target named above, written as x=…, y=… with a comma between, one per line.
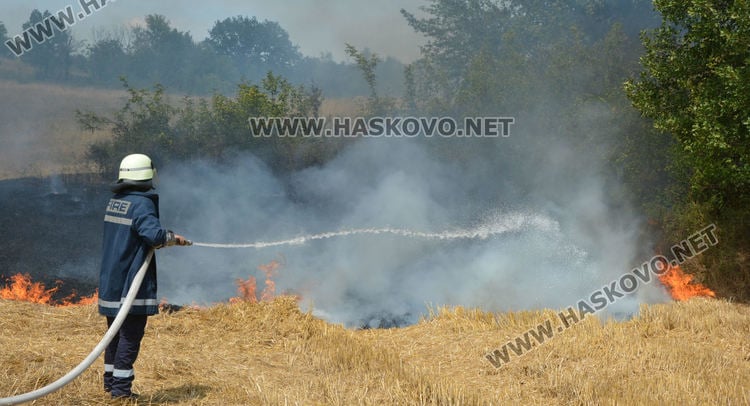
x=131, y=229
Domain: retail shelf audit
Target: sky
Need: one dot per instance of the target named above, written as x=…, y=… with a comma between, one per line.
x=317, y=27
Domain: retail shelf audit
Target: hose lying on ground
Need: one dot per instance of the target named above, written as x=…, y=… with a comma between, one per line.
x=114, y=329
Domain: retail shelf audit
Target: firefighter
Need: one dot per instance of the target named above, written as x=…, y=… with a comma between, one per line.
x=131, y=230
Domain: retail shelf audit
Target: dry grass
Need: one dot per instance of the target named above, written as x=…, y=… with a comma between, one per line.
x=38, y=132
x=694, y=352
x=39, y=135
x=343, y=107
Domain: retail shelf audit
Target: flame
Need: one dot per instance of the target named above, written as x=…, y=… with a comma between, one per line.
x=80, y=301
x=88, y=300
x=679, y=285
x=270, y=290
x=23, y=289
x=247, y=289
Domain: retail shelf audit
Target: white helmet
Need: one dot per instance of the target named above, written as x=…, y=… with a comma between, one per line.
x=137, y=167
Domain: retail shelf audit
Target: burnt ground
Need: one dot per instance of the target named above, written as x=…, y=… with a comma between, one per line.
x=51, y=229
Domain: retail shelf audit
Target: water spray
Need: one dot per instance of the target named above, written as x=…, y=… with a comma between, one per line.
x=512, y=223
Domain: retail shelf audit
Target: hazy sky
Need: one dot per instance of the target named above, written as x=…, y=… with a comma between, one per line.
x=317, y=26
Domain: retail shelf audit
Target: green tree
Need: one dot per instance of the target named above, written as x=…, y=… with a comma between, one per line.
x=143, y=124
x=162, y=54
x=555, y=65
x=522, y=55
x=107, y=61
x=255, y=47
x=206, y=128
x=53, y=57
x=367, y=62
x=695, y=85
x=3, y=38
x=274, y=97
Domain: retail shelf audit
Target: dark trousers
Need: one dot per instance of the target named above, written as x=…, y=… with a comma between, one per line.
x=121, y=353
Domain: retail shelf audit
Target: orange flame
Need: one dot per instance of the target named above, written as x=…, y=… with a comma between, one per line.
x=247, y=289
x=679, y=285
x=270, y=290
x=23, y=289
x=81, y=300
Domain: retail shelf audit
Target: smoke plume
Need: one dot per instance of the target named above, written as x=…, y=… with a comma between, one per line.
x=540, y=248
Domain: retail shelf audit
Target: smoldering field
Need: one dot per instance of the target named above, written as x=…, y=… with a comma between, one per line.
x=558, y=229
x=547, y=235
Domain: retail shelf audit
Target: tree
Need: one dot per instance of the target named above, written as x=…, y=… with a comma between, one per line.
x=203, y=129
x=254, y=46
x=520, y=55
x=696, y=86
x=162, y=54
x=107, y=61
x=52, y=57
x=3, y=38
x=143, y=124
x=367, y=62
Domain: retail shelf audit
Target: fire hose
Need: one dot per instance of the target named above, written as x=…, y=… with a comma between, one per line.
x=114, y=329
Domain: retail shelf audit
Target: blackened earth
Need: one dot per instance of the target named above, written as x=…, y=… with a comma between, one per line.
x=51, y=230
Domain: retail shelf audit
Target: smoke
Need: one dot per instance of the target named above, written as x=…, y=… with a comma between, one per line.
x=549, y=247
x=558, y=228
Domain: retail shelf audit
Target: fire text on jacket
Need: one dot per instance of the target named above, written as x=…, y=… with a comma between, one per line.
x=118, y=206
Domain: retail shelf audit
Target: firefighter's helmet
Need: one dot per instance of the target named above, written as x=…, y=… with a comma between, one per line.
x=136, y=167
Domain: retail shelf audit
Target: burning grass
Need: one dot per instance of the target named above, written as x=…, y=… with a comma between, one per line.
x=22, y=288
x=681, y=286
x=270, y=352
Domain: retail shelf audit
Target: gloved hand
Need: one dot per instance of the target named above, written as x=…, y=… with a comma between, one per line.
x=180, y=240
x=176, y=239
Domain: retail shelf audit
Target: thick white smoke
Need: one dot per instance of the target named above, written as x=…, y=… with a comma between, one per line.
x=545, y=251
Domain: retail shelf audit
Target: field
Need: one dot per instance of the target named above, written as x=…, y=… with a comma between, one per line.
x=39, y=135
x=273, y=352
x=693, y=352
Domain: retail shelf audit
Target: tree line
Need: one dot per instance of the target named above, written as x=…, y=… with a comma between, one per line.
x=237, y=49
